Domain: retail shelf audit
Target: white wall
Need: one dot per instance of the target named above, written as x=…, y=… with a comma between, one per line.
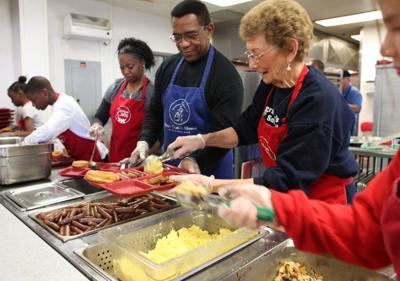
x=33, y=37
x=7, y=73
x=125, y=23
x=370, y=53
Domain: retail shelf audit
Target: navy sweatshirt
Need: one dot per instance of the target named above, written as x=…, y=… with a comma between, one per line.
x=319, y=123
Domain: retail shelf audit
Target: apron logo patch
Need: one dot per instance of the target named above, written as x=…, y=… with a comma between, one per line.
x=270, y=117
x=123, y=114
x=179, y=112
x=265, y=145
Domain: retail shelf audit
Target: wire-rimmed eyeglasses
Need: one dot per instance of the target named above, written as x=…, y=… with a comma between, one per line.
x=188, y=36
x=257, y=57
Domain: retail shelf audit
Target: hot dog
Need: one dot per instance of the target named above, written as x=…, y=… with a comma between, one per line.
x=80, y=164
x=101, y=176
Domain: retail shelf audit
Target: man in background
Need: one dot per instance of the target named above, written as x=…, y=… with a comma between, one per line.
x=353, y=97
x=318, y=64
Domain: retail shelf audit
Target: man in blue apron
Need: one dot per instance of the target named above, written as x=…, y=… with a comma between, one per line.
x=196, y=91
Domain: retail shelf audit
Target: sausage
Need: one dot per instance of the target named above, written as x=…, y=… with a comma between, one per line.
x=76, y=230
x=67, y=230
x=115, y=216
x=70, y=219
x=101, y=224
x=52, y=225
x=104, y=213
x=62, y=230
x=125, y=209
x=90, y=220
x=80, y=226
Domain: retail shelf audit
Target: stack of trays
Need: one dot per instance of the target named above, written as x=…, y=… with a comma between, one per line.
x=6, y=117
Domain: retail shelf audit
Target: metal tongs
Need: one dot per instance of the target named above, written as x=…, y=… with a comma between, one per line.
x=93, y=165
x=166, y=156
x=212, y=201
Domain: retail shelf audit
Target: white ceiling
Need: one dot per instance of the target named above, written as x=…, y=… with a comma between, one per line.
x=318, y=9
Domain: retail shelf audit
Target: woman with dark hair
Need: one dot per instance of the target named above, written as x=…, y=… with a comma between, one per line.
x=126, y=100
x=28, y=118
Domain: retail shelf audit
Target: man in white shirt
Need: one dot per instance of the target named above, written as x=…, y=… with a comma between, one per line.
x=68, y=122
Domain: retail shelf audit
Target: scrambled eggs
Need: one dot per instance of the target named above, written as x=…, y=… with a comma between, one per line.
x=153, y=165
x=177, y=243
x=189, y=188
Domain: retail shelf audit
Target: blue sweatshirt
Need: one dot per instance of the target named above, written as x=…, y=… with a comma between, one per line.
x=318, y=133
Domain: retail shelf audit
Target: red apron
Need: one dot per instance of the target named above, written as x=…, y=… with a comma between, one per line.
x=328, y=187
x=390, y=223
x=78, y=148
x=127, y=116
x=21, y=122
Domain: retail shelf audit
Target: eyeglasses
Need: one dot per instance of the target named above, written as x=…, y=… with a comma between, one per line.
x=257, y=57
x=188, y=36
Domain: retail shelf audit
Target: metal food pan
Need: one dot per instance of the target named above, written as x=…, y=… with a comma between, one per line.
x=127, y=241
x=102, y=197
x=266, y=266
x=22, y=163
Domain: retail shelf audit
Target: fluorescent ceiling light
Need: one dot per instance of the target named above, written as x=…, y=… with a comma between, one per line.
x=363, y=17
x=226, y=3
x=356, y=37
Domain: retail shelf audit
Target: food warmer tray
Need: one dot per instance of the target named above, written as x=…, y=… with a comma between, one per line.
x=101, y=197
x=37, y=196
x=266, y=266
x=100, y=256
x=128, y=240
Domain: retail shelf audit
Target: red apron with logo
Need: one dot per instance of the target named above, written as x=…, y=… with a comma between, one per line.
x=328, y=187
x=78, y=148
x=127, y=116
x=21, y=122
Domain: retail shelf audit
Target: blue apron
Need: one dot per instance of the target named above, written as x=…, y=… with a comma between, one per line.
x=186, y=113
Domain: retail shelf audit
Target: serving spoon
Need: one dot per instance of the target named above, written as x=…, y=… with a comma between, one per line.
x=92, y=164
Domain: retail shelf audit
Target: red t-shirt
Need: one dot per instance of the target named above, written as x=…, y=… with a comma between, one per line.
x=366, y=233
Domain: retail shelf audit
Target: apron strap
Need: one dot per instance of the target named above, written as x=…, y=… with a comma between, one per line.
x=207, y=69
x=203, y=82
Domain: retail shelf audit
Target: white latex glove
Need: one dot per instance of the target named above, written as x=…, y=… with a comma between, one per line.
x=140, y=153
x=186, y=145
x=96, y=131
x=190, y=164
x=242, y=211
x=205, y=181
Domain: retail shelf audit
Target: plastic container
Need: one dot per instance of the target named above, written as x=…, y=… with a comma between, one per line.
x=126, y=243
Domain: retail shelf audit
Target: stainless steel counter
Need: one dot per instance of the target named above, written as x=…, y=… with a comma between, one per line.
x=66, y=258
x=31, y=252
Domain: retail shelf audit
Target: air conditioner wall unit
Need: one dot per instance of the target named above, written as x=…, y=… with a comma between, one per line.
x=83, y=27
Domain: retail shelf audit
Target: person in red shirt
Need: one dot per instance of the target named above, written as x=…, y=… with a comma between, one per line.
x=366, y=233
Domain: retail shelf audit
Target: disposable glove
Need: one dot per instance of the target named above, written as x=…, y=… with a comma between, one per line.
x=190, y=164
x=186, y=145
x=96, y=131
x=205, y=181
x=140, y=153
x=242, y=210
